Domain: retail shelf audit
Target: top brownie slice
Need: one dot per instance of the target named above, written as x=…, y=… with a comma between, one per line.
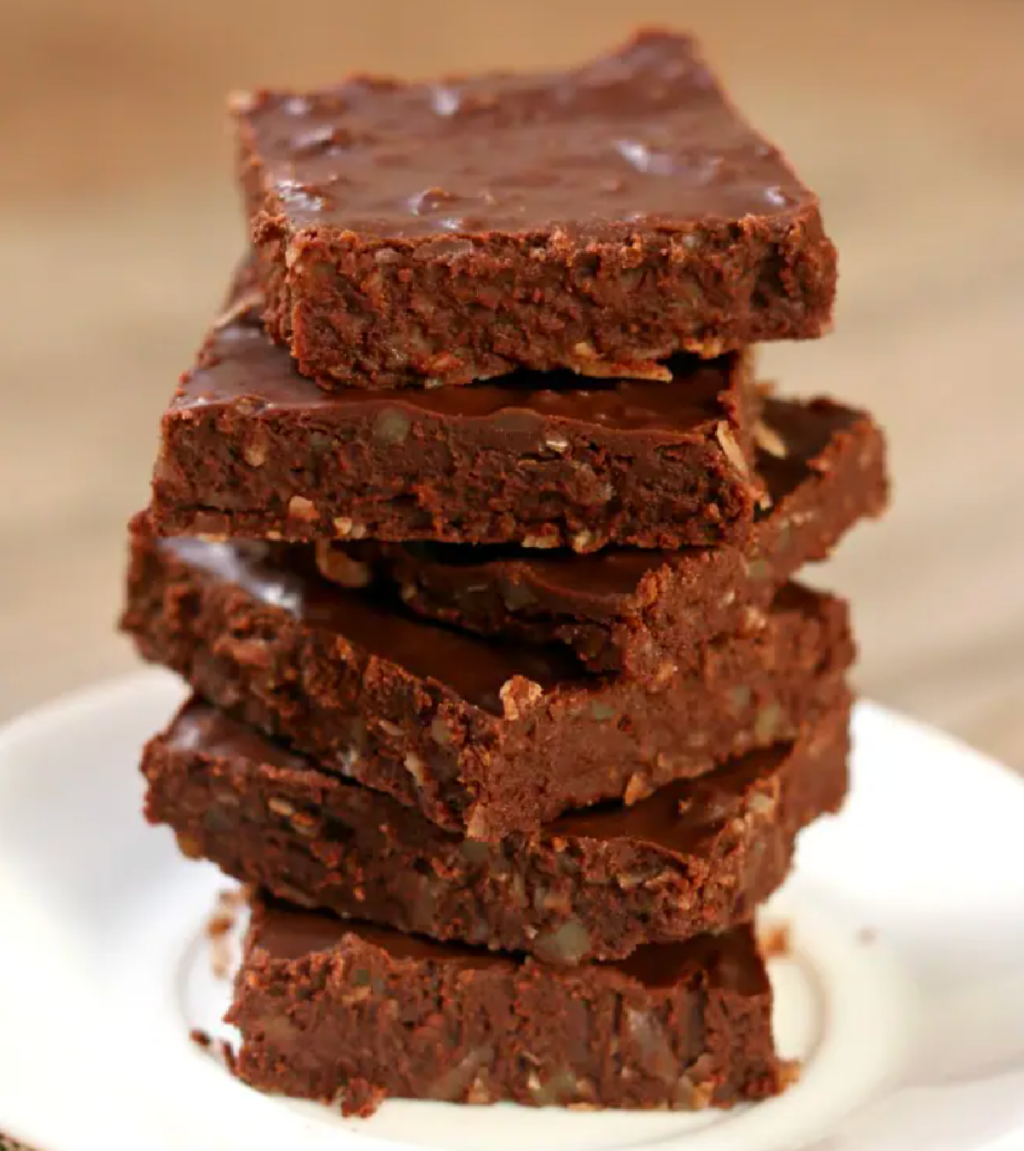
x=600, y=219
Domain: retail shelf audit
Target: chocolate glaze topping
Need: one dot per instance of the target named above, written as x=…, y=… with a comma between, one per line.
x=286, y=933
x=240, y=366
x=643, y=136
x=286, y=577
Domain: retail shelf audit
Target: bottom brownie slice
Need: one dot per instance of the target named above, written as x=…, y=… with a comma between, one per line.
x=335, y=1011
x=696, y=856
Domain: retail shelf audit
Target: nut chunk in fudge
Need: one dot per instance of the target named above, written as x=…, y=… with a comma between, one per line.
x=600, y=219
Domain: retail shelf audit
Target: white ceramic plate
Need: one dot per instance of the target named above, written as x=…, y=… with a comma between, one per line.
x=903, y=992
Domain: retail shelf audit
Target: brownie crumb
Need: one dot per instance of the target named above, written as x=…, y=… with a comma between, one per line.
x=773, y=940
x=227, y=1053
x=219, y=924
x=361, y=1098
x=220, y=958
x=219, y=1048
x=219, y=927
x=867, y=935
x=790, y=1071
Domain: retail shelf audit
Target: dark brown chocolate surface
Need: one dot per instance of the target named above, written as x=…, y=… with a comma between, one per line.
x=694, y=857
x=251, y=448
x=602, y=219
x=483, y=737
x=635, y=611
x=334, y=1011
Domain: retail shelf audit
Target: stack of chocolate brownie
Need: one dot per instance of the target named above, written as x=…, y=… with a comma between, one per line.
x=473, y=532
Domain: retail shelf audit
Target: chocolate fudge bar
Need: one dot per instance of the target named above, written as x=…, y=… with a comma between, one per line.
x=696, y=856
x=638, y=612
x=334, y=1011
x=600, y=219
x=486, y=738
x=251, y=448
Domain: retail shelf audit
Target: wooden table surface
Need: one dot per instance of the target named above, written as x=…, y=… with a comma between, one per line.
x=120, y=225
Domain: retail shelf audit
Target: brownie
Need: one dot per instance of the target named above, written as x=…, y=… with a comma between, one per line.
x=251, y=448
x=635, y=611
x=484, y=737
x=600, y=219
x=357, y=1014
x=696, y=856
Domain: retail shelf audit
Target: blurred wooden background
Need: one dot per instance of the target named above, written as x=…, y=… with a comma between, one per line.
x=119, y=224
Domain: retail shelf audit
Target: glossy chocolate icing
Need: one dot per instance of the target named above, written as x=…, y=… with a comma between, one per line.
x=641, y=137
x=287, y=934
x=285, y=577
x=241, y=367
